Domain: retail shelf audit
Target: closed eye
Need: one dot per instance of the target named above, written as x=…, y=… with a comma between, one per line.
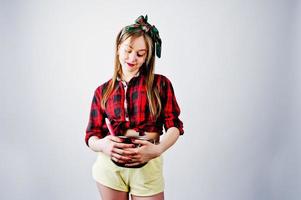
x=140, y=55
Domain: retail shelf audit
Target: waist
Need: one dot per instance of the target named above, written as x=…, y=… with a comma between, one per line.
x=153, y=137
x=121, y=127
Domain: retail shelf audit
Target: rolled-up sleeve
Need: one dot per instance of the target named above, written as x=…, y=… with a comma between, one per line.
x=96, y=124
x=171, y=109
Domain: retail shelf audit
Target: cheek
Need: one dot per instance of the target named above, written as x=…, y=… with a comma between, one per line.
x=121, y=56
x=142, y=60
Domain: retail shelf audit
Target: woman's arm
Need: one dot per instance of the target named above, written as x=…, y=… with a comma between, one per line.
x=111, y=146
x=148, y=151
x=169, y=138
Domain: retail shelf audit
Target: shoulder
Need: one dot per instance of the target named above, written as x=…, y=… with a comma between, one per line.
x=100, y=89
x=161, y=80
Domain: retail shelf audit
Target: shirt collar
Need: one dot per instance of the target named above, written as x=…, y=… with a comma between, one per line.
x=123, y=81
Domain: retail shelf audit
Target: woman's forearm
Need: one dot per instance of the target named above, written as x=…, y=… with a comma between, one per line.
x=169, y=138
x=93, y=145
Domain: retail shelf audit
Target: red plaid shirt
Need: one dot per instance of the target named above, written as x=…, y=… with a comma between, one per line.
x=127, y=108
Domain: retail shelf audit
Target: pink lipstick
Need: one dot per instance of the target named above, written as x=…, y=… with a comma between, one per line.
x=130, y=64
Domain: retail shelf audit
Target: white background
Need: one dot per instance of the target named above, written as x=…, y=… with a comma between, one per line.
x=235, y=68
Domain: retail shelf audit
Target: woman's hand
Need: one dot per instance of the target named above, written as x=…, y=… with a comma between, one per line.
x=114, y=148
x=144, y=152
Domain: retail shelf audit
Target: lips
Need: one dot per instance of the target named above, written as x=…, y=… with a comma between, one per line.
x=130, y=64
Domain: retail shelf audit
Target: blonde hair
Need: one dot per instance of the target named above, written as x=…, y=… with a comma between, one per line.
x=153, y=96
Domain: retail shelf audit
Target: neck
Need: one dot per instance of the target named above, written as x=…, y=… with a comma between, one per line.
x=127, y=76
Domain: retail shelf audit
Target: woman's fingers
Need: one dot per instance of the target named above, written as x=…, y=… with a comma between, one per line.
x=125, y=156
x=119, y=158
x=123, y=145
x=135, y=157
x=124, y=152
x=114, y=138
x=131, y=154
x=141, y=142
x=132, y=164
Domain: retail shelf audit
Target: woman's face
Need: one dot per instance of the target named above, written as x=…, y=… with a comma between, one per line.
x=132, y=55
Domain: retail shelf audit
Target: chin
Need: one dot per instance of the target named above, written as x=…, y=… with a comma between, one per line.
x=127, y=68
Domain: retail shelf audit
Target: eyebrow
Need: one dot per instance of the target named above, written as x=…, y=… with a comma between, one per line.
x=132, y=47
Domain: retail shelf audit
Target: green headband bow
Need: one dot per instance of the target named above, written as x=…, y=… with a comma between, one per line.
x=141, y=22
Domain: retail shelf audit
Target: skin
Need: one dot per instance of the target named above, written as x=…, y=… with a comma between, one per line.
x=132, y=55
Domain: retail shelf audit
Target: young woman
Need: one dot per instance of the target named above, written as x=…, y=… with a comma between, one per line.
x=138, y=104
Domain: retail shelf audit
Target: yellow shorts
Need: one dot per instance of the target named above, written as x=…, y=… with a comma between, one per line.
x=145, y=181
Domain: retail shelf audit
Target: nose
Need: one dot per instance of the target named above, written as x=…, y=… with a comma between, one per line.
x=132, y=56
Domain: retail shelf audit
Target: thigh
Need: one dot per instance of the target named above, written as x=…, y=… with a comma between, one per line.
x=159, y=196
x=107, y=193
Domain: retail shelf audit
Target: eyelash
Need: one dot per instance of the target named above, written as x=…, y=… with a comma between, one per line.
x=129, y=51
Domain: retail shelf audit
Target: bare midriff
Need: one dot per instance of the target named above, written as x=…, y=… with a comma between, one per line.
x=149, y=135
